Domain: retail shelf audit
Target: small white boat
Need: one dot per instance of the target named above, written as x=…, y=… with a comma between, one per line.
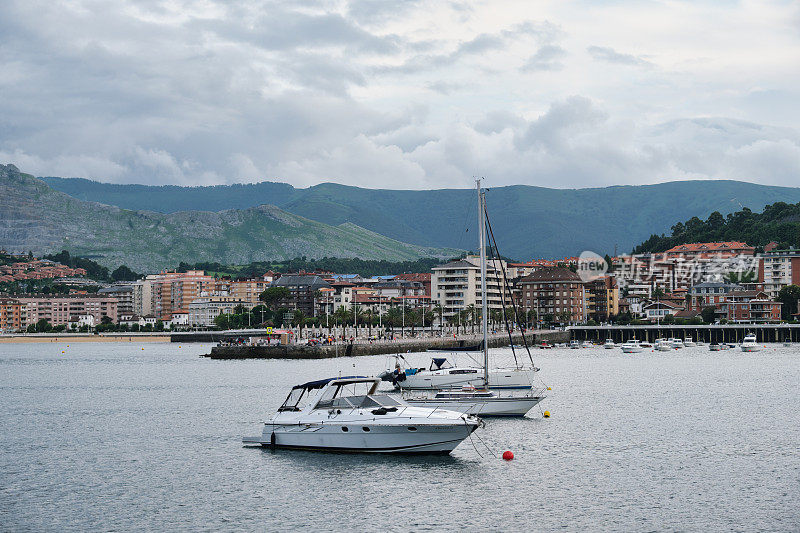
x=574, y=345
x=676, y=343
x=587, y=344
x=480, y=402
x=609, y=344
x=345, y=415
x=749, y=343
x=689, y=342
x=646, y=344
x=714, y=347
x=663, y=345
x=631, y=346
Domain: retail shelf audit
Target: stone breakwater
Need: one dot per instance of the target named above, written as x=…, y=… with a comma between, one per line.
x=301, y=351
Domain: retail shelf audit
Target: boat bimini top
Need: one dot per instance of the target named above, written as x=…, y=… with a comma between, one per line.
x=346, y=392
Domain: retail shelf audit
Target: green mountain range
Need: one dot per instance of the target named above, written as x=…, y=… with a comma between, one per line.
x=34, y=216
x=529, y=222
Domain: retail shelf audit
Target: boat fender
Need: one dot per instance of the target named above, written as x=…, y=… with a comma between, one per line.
x=272, y=440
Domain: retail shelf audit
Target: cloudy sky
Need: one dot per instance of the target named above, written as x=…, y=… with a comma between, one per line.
x=402, y=94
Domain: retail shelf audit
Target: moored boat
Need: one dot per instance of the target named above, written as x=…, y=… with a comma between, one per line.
x=345, y=414
x=749, y=343
x=663, y=345
x=631, y=346
x=480, y=402
x=609, y=344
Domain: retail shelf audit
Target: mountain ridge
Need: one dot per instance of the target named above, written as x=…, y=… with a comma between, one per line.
x=529, y=221
x=33, y=216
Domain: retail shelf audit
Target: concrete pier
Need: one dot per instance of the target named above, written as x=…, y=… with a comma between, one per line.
x=714, y=333
x=302, y=351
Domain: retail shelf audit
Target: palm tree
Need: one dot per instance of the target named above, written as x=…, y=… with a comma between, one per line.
x=471, y=315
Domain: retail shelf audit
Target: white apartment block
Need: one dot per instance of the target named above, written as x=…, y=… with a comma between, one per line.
x=457, y=285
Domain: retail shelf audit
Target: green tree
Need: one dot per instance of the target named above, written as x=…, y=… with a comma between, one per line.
x=272, y=296
x=709, y=314
x=123, y=273
x=222, y=321
x=669, y=319
x=789, y=297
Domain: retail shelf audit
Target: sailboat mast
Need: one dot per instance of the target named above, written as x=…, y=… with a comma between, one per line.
x=484, y=303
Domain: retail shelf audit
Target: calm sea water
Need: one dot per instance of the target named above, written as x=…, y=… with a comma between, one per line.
x=115, y=437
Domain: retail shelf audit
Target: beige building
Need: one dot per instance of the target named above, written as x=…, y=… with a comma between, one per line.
x=457, y=285
x=58, y=310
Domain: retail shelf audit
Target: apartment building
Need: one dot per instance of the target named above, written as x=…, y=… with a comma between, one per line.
x=58, y=310
x=174, y=291
x=602, y=298
x=457, y=285
x=10, y=315
x=203, y=310
x=305, y=292
x=555, y=292
x=124, y=293
x=779, y=269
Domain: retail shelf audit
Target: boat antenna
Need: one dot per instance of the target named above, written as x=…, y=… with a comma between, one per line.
x=508, y=288
x=484, y=303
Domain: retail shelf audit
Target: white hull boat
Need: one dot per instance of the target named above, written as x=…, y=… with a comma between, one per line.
x=345, y=415
x=477, y=402
x=663, y=345
x=609, y=344
x=689, y=342
x=676, y=343
x=749, y=343
x=715, y=347
x=442, y=375
x=632, y=346
x=574, y=345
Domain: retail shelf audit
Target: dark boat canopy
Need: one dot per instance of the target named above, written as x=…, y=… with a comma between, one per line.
x=318, y=384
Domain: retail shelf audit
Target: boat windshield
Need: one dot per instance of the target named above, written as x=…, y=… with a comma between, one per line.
x=295, y=400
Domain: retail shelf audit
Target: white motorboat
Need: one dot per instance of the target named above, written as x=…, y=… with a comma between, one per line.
x=479, y=402
x=689, y=342
x=587, y=344
x=663, y=345
x=574, y=345
x=442, y=374
x=749, y=343
x=345, y=415
x=609, y=344
x=631, y=346
x=676, y=343
x=714, y=347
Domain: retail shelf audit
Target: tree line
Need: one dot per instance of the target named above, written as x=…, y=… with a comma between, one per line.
x=779, y=222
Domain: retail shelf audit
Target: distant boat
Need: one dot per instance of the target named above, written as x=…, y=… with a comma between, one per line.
x=749, y=343
x=689, y=342
x=632, y=346
x=663, y=345
x=714, y=347
x=574, y=345
x=609, y=344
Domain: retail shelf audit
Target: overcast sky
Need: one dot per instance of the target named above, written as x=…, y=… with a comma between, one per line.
x=402, y=94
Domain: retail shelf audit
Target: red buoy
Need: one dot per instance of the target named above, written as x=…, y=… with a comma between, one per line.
x=508, y=455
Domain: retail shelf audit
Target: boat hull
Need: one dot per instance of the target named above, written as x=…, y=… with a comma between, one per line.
x=397, y=439
x=481, y=407
x=444, y=379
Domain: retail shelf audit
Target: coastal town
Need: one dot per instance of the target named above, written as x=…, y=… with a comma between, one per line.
x=698, y=283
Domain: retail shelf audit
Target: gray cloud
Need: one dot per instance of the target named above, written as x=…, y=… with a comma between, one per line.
x=546, y=58
x=364, y=92
x=610, y=55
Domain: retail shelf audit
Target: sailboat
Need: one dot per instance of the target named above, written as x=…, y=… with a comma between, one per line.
x=469, y=399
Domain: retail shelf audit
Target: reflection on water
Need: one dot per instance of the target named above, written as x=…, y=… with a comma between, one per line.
x=110, y=436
